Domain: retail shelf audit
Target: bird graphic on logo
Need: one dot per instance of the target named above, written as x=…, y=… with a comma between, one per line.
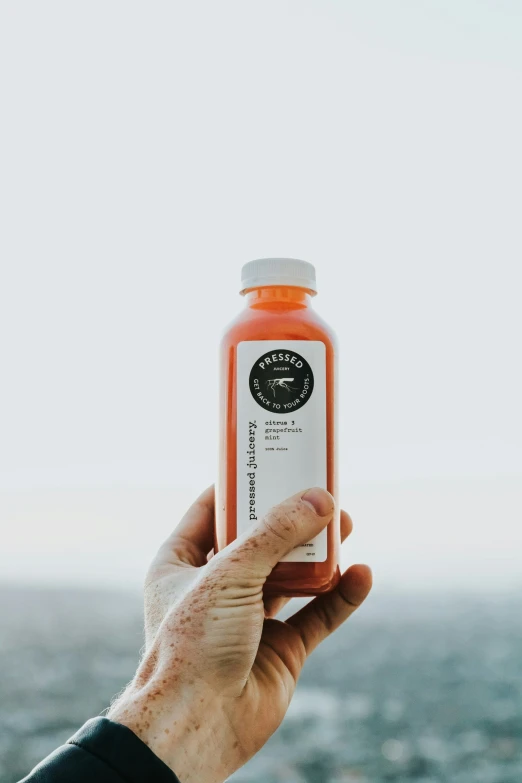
x=282, y=383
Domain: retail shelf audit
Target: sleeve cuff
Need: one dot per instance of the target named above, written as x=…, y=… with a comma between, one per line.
x=121, y=750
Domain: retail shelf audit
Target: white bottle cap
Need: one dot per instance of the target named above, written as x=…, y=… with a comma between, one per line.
x=278, y=271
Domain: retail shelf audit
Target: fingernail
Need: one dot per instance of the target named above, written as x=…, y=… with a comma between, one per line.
x=320, y=500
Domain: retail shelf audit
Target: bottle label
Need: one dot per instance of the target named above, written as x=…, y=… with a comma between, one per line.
x=281, y=430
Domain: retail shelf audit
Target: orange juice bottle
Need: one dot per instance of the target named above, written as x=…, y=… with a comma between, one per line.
x=278, y=417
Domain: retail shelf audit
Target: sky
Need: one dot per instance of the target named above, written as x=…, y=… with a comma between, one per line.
x=147, y=151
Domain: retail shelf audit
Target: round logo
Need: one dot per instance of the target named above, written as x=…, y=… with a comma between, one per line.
x=281, y=381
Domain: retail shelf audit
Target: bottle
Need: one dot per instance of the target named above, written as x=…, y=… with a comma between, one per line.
x=278, y=417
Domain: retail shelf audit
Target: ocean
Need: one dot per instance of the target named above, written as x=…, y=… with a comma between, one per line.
x=418, y=688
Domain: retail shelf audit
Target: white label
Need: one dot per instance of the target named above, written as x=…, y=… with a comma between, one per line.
x=281, y=430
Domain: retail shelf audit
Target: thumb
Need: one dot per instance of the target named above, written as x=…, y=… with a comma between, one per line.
x=294, y=521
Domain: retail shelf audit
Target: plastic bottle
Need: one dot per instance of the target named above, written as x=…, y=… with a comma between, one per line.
x=278, y=417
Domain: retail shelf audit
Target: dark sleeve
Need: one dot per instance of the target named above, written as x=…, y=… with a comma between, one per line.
x=102, y=752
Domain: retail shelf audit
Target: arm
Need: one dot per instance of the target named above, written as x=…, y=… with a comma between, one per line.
x=105, y=752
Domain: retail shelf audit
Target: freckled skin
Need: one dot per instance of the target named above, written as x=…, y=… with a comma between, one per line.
x=218, y=671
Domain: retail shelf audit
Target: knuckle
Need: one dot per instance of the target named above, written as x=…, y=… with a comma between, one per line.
x=327, y=617
x=282, y=524
x=351, y=604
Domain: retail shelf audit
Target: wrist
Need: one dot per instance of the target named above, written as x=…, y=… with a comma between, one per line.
x=177, y=729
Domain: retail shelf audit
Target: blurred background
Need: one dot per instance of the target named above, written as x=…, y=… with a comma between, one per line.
x=148, y=150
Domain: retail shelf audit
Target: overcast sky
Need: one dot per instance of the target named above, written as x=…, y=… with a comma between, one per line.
x=147, y=150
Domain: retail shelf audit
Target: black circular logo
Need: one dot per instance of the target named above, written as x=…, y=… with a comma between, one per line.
x=281, y=381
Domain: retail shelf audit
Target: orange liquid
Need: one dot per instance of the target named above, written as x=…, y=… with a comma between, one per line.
x=276, y=313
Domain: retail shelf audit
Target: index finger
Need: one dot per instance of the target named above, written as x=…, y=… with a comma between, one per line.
x=274, y=603
x=326, y=612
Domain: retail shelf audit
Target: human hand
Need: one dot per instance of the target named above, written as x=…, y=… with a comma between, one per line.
x=219, y=671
